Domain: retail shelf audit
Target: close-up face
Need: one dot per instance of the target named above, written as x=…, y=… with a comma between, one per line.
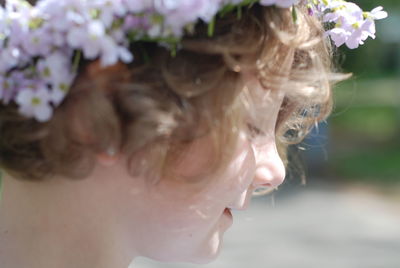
x=184, y=221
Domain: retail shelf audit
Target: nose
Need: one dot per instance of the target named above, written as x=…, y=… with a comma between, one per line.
x=270, y=170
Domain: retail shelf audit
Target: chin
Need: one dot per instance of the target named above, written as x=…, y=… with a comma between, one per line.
x=210, y=251
x=201, y=252
x=203, y=256
x=205, y=260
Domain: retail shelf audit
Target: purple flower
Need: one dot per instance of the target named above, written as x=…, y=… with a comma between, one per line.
x=89, y=38
x=111, y=53
x=339, y=36
x=7, y=90
x=109, y=10
x=37, y=43
x=4, y=31
x=40, y=40
x=35, y=103
x=139, y=6
x=56, y=72
x=94, y=42
x=179, y=13
x=353, y=26
x=10, y=57
x=133, y=22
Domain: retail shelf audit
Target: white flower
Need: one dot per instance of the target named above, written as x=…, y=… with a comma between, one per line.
x=359, y=35
x=58, y=93
x=37, y=41
x=353, y=26
x=378, y=13
x=4, y=31
x=135, y=6
x=339, y=36
x=279, y=3
x=10, y=57
x=111, y=53
x=109, y=9
x=56, y=71
x=10, y=84
x=88, y=38
x=35, y=103
x=95, y=42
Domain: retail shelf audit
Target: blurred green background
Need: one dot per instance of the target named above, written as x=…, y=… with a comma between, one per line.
x=362, y=136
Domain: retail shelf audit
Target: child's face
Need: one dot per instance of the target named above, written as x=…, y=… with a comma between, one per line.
x=183, y=222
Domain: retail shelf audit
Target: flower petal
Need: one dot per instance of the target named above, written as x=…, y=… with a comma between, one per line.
x=43, y=112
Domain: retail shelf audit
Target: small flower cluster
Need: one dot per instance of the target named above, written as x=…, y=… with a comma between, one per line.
x=41, y=45
x=352, y=26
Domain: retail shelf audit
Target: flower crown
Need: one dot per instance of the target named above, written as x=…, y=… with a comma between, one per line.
x=41, y=45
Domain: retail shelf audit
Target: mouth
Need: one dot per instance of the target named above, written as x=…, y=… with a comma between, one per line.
x=228, y=212
x=226, y=219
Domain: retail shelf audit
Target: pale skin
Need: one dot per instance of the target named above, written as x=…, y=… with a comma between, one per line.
x=109, y=218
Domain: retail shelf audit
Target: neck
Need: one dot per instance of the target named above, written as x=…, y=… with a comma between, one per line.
x=43, y=226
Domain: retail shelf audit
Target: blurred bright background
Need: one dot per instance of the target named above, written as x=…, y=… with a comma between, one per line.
x=364, y=144
x=347, y=215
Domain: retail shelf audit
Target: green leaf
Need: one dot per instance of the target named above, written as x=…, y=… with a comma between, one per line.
x=227, y=9
x=76, y=61
x=173, y=50
x=230, y=7
x=239, y=13
x=211, y=27
x=294, y=14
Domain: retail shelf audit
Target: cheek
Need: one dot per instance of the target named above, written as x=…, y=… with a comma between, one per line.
x=195, y=158
x=180, y=205
x=240, y=172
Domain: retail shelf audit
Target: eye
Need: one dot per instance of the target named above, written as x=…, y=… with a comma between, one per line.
x=254, y=131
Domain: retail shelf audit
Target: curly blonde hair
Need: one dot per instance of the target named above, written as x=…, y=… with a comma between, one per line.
x=158, y=102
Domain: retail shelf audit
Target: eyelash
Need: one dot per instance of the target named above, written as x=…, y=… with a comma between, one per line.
x=254, y=131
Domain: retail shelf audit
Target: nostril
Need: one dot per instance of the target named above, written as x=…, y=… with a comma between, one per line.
x=263, y=189
x=265, y=185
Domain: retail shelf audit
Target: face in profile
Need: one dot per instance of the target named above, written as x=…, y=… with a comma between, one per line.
x=185, y=222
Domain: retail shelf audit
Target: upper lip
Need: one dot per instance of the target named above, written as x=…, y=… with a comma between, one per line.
x=244, y=207
x=244, y=204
